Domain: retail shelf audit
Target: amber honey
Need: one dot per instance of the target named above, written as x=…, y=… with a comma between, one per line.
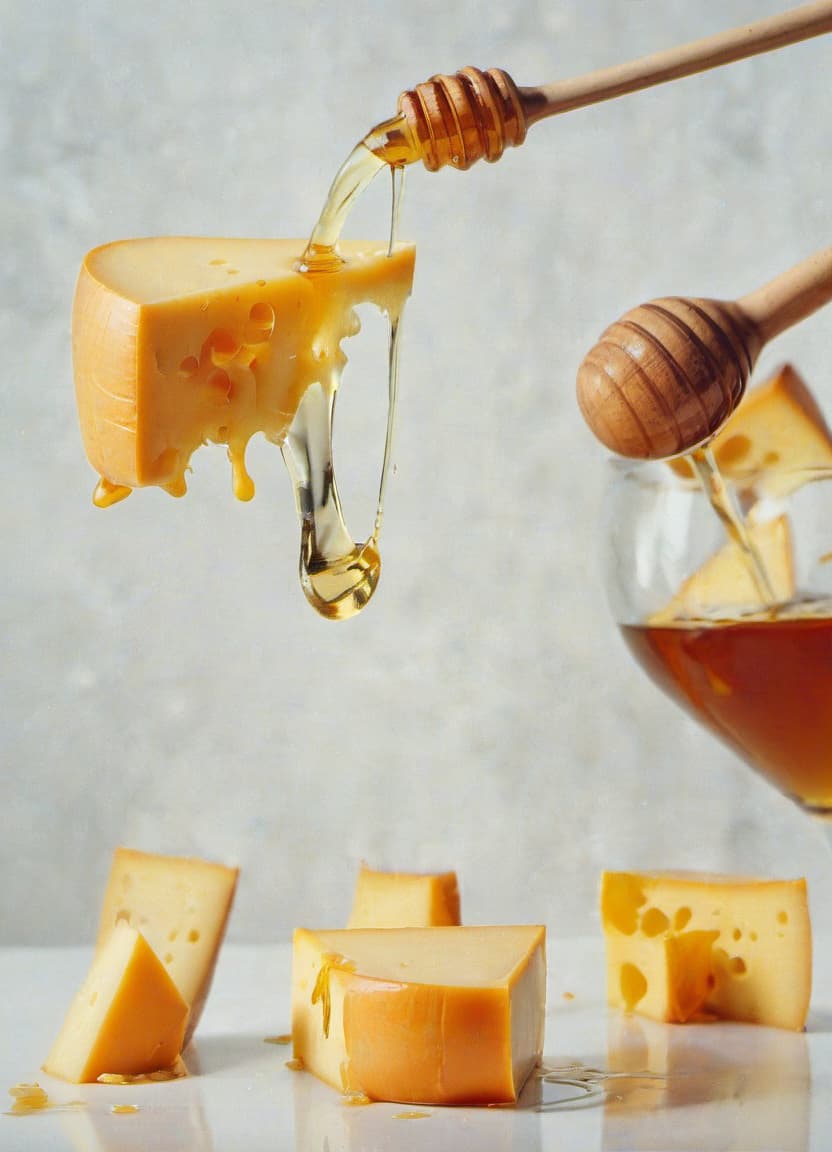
x=763, y=686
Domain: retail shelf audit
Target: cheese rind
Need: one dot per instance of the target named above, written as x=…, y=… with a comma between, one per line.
x=446, y=1015
x=182, y=340
x=404, y=899
x=684, y=946
x=128, y=1017
x=181, y=905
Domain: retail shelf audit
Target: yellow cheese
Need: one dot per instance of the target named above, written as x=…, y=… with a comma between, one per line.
x=777, y=427
x=182, y=340
x=725, y=580
x=421, y=1015
x=128, y=1016
x=404, y=899
x=683, y=946
x=181, y=905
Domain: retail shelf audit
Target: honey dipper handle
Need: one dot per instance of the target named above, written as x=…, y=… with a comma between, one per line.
x=790, y=297
x=674, y=63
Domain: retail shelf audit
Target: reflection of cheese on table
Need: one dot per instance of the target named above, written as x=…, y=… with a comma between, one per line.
x=404, y=899
x=421, y=1015
x=178, y=341
x=682, y=946
x=778, y=425
x=128, y=1016
x=181, y=905
x=725, y=582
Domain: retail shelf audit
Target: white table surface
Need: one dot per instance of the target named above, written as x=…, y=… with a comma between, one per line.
x=714, y=1086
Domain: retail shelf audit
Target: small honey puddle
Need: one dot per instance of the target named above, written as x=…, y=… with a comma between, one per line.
x=283, y=1038
x=576, y=1085
x=31, y=1098
x=411, y=1115
x=124, y=1109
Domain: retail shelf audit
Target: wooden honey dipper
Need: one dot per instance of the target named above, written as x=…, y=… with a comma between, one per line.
x=474, y=115
x=665, y=377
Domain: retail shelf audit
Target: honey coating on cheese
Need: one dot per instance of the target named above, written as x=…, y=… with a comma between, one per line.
x=404, y=899
x=127, y=1018
x=444, y=1015
x=181, y=905
x=687, y=946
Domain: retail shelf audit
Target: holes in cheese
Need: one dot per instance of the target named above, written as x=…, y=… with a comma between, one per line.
x=182, y=907
x=446, y=1015
x=734, y=948
x=128, y=1017
x=404, y=899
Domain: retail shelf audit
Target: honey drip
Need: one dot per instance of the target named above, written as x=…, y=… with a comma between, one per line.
x=337, y=574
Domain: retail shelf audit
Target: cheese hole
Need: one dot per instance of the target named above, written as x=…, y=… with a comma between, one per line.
x=737, y=934
x=782, y=917
x=752, y=936
x=681, y=918
x=654, y=922
x=123, y=914
x=737, y=966
x=770, y=459
x=217, y=262
x=220, y=347
x=193, y=936
x=172, y=935
x=260, y=324
x=733, y=450
x=168, y=957
x=633, y=985
x=188, y=368
x=710, y=981
x=220, y=386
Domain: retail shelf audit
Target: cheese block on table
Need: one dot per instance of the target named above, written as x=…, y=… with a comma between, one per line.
x=446, y=1015
x=404, y=899
x=128, y=1017
x=684, y=946
x=181, y=905
x=182, y=340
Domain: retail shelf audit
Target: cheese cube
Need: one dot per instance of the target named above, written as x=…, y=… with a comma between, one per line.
x=404, y=899
x=181, y=906
x=725, y=580
x=128, y=1016
x=444, y=1015
x=684, y=946
x=177, y=341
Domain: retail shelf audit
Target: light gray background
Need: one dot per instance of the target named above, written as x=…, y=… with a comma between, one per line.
x=164, y=684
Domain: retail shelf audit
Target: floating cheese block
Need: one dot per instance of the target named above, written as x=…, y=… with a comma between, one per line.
x=404, y=899
x=778, y=426
x=685, y=946
x=181, y=340
x=725, y=580
x=181, y=906
x=128, y=1017
x=421, y=1015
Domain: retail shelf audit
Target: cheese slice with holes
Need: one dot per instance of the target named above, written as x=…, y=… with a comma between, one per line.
x=446, y=1015
x=777, y=427
x=725, y=581
x=181, y=906
x=686, y=946
x=127, y=1018
x=177, y=341
x=404, y=899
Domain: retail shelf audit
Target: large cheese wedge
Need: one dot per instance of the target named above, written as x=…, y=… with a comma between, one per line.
x=181, y=906
x=128, y=1017
x=683, y=946
x=776, y=428
x=404, y=899
x=421, y=1015
x=181, y=340
x=726, y=580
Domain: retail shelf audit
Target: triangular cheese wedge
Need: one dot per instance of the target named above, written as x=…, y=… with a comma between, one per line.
x=128, y=1017
x=181, y=905
x=404, y=899
x=421, y=1015
x=182, y=340
x=683, y=946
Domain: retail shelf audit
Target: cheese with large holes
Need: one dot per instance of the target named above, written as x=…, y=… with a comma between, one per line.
x=404, y=899
x=182, y=340
x=725, y=580
x=777, y=428
x=685, y=946
x=181, y=905
x=127, y=1018
x=446, y=1015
